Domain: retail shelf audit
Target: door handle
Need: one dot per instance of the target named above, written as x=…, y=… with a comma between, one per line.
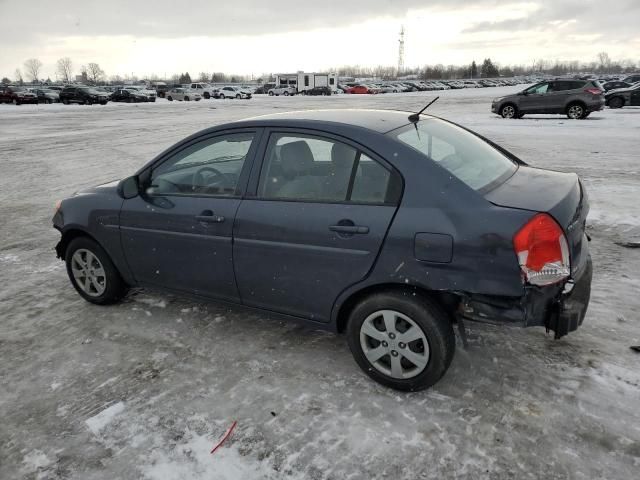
x=349, y=229
x=209, y=217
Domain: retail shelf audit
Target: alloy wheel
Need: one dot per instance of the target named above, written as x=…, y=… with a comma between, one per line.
x=508, y=111
x=394, y=344
x=88, y=272
x=575, y=111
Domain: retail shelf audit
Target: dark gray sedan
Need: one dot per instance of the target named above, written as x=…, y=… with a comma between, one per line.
x=386, y=225
x=621, y=97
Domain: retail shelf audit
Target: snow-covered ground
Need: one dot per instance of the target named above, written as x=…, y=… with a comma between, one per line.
x=145, y=389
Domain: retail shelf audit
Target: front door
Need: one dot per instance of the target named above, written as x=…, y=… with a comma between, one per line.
x=178, y=234
x=319, y=217
x=534, y=98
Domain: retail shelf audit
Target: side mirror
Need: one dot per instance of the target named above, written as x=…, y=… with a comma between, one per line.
x=129, y=187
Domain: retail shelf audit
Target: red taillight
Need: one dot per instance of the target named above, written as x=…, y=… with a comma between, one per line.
x=542, y=251
x=593, y=91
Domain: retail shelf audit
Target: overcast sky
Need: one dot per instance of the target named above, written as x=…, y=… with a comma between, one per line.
x=258, y=36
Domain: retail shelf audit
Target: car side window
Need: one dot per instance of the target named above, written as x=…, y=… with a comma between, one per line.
x=209, y=167
x=542, y=88
x=309, y=168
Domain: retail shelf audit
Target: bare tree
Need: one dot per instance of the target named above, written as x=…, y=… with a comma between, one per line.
x=65, y=69
x=94, y=73
x=18, y=75
x=204, y=77
x=604, y=60
x=32, y=67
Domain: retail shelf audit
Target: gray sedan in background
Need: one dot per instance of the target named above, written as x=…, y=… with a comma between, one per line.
x=388, y=226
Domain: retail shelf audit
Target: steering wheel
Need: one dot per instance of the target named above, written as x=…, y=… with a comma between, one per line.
x=204, y=181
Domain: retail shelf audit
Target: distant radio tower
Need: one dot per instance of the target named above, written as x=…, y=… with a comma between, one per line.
x=401, y=51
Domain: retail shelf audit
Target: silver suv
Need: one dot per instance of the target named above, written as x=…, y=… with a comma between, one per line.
x=575, y=98
x=285, y=90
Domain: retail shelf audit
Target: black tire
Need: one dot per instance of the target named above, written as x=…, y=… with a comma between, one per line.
x=114, y=286
x=237, y=96
x=206, y=95
x=575, y=111
x=434, y=323
x=170, y=98
x=186, y=99
x=271, y=94
x=286, y=94
x=509, y=110
x=65, y=101
x=616, y=102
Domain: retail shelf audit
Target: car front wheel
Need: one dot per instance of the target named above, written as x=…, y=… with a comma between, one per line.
x=508, y=111
x=400, y=340
x=92, y=273
x=616, y=102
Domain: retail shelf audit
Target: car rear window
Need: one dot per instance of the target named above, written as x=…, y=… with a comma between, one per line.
x=463, y=154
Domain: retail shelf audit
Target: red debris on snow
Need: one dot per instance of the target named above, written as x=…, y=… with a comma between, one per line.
x=226, y=435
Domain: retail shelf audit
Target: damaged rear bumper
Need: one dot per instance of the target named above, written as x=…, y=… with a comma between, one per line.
x=560, y=308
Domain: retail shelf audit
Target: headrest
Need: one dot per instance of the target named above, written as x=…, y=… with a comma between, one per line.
x=296, y=157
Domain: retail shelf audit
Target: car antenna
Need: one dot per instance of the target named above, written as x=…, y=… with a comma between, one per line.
x=414, y=117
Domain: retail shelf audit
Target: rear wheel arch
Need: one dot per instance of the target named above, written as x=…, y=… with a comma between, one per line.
x=446, y=300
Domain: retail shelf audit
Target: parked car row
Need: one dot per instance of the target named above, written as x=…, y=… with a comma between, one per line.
x=415, y=85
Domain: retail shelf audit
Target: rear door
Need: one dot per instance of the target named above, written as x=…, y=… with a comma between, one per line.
x=558, y=95
x=317, y=219
x=177, y=234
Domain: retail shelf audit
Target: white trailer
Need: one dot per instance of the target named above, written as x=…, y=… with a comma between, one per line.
x=307, y=80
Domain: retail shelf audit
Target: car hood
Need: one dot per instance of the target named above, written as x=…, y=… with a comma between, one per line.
x=104, y=188
x=618, y=90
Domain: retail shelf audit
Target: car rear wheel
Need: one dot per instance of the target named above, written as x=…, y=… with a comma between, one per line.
x=186, y=99
x=271, y=94
x=400, y=340
x=616, y=102
x=508, y=111
x=286, y=94
x=238, y=96
x=207, y=96
x=575, y=111
x=92, y=273
x=170, y=98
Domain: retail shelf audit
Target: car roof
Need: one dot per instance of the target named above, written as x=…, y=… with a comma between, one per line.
x=381, y=121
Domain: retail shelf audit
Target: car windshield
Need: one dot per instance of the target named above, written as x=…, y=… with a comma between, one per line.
x=466, y=156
